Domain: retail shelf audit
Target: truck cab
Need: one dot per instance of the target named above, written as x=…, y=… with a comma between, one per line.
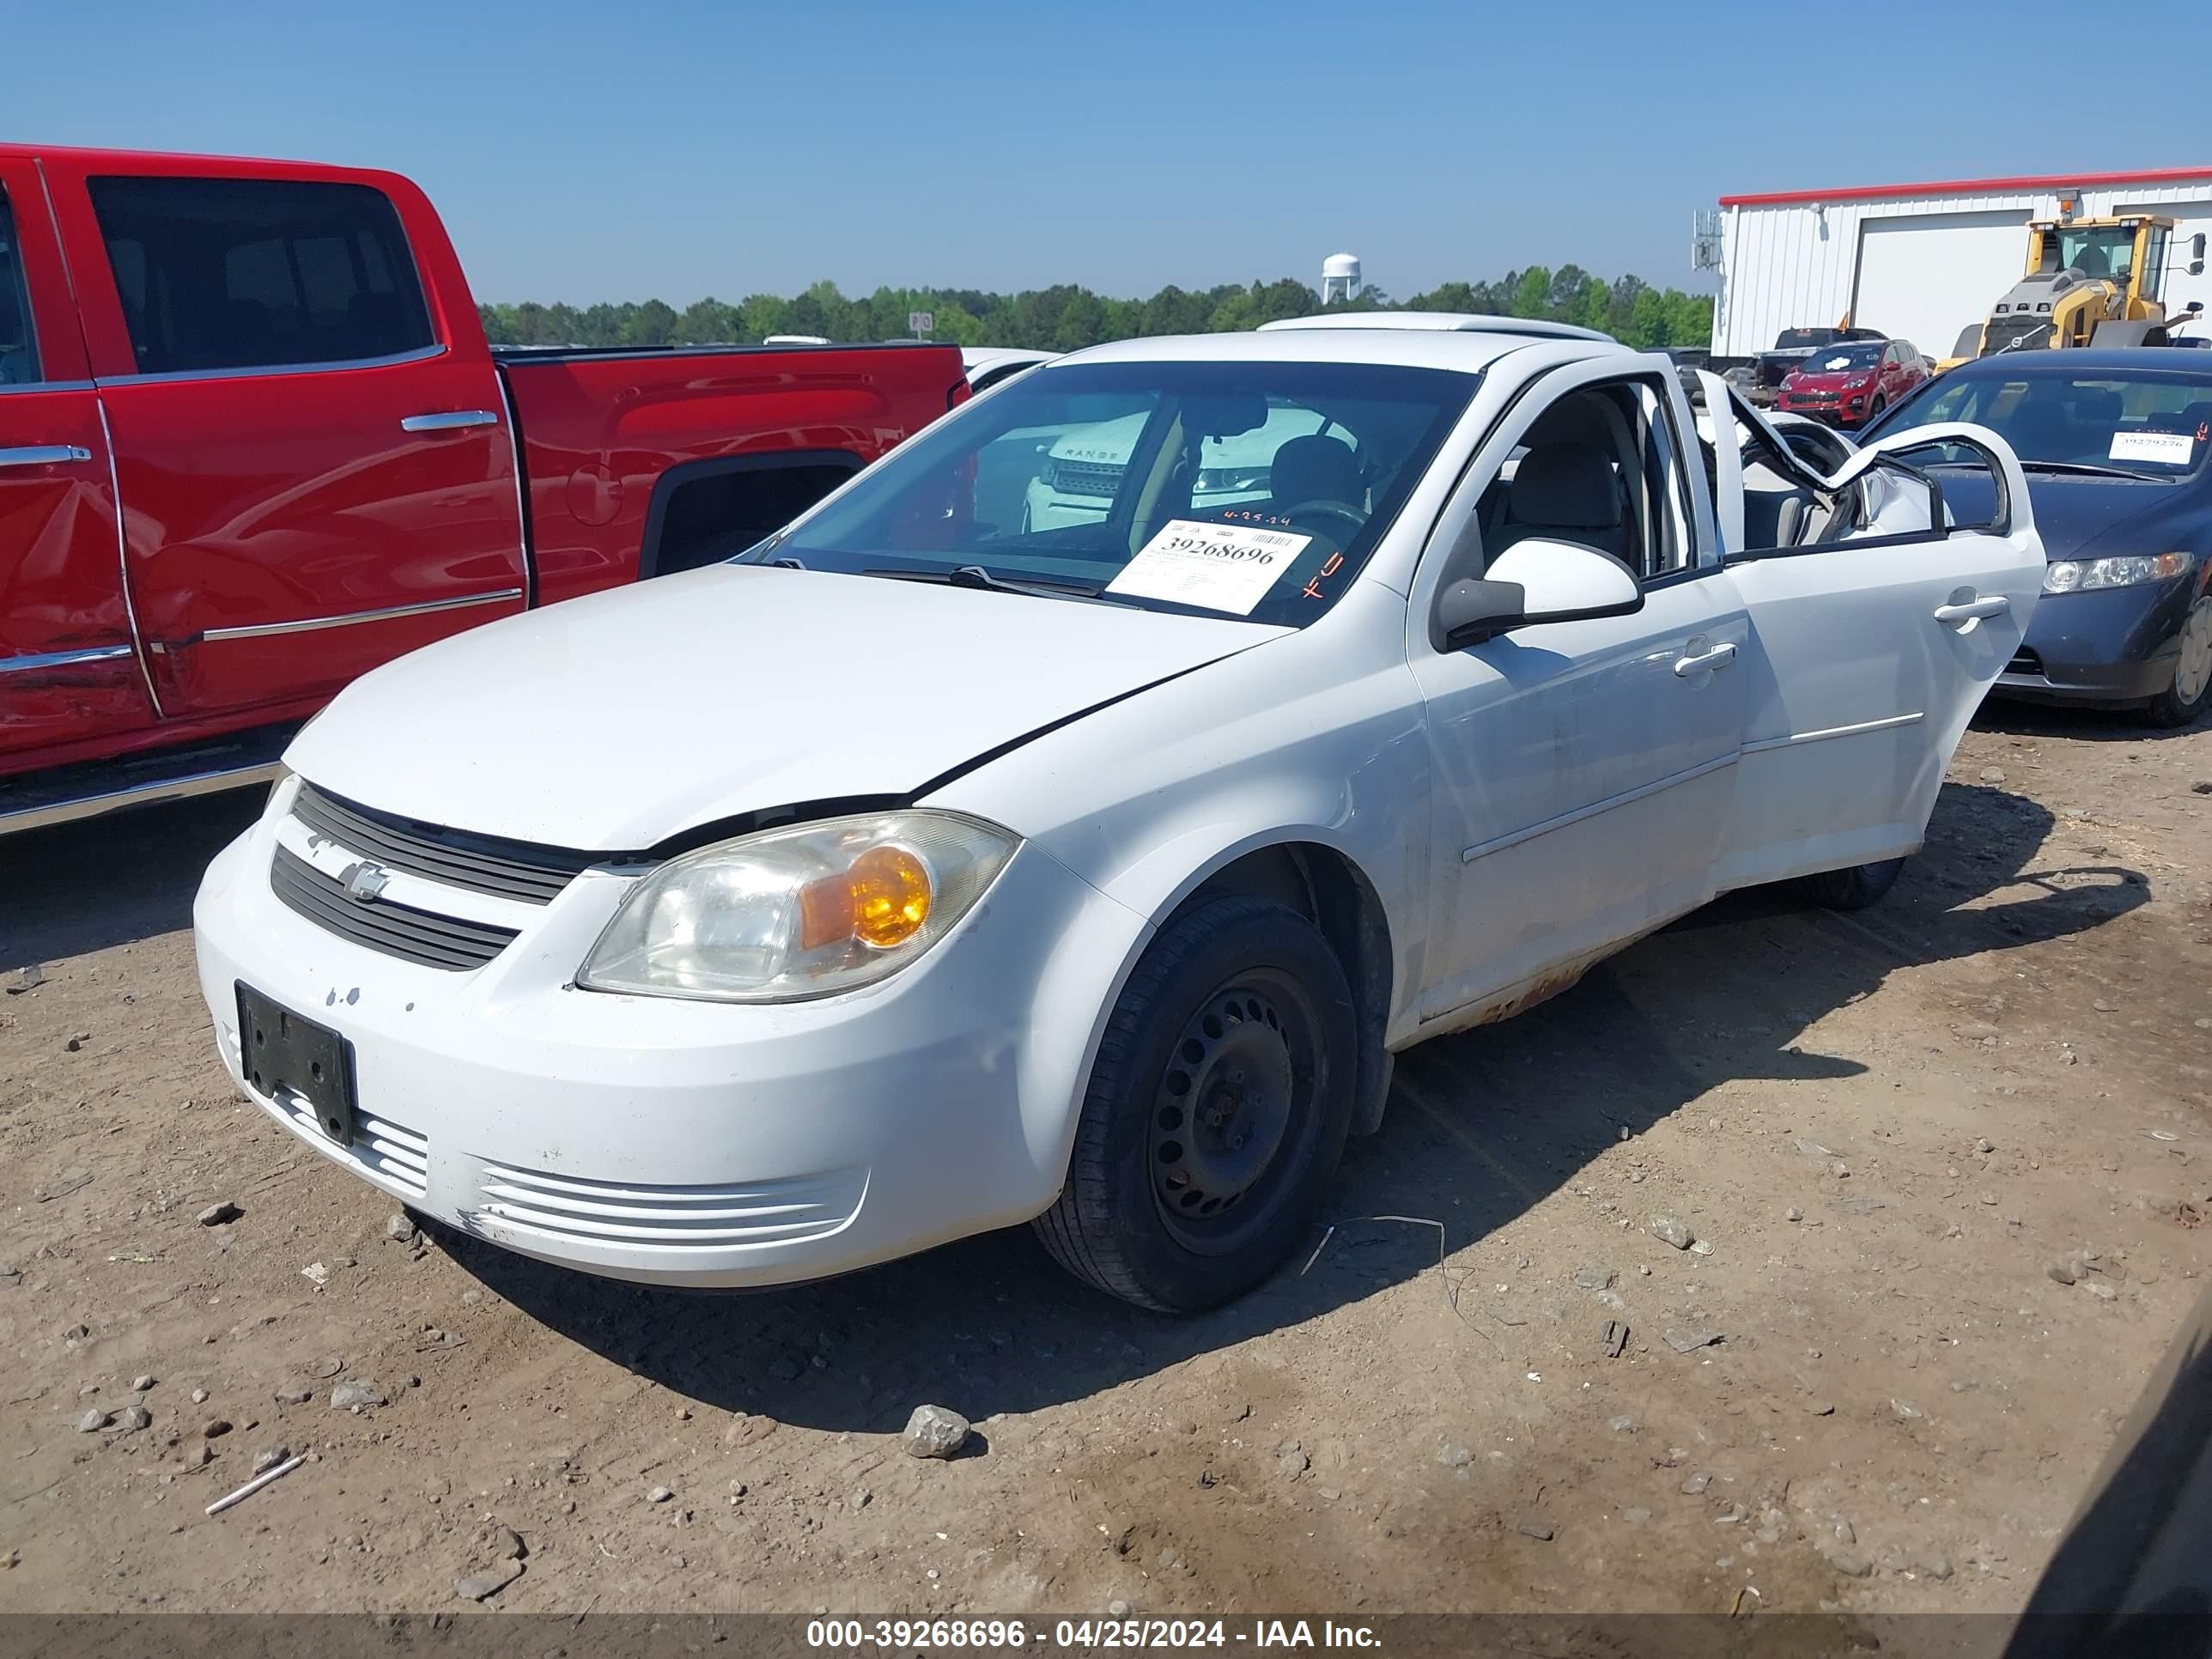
x=254, y=443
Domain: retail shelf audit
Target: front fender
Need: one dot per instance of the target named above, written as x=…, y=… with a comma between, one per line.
x=1315, y=737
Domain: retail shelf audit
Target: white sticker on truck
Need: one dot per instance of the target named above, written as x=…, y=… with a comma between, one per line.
x=1217, y=567
x=2171, y=447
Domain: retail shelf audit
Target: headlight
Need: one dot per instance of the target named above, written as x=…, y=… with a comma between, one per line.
x=799, y=912
x=2076, y=575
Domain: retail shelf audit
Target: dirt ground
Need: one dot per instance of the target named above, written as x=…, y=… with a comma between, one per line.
x=1888, y=1127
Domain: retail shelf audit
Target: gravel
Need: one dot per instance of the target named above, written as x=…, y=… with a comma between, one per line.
x=220, y=1215
x=92, y=1422
x=934, y=1431
x=354, y=1394
x=482, y=1586
x=1668, y=1231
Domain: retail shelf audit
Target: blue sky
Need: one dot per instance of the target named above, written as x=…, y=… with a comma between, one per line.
x=589, y=152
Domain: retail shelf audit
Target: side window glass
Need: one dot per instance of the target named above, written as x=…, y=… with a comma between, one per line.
x=1600, y=467
x=1670, y=543
x=19, y=353
x=253, y=273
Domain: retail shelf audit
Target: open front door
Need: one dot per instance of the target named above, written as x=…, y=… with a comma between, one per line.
x=1877, y=625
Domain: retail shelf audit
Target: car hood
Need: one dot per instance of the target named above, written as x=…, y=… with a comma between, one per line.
x=615, y=722
x=2095, y=518
x=1800, y=381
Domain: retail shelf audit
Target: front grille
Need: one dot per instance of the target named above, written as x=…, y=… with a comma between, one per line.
x=2025, y=661
x=605, y=1213
x=2014, y=334
x=1086, y=477
x=483, y=864
x=1815, y=399
x=397, y=930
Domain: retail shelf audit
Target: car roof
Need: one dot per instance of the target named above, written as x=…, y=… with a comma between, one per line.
x=1462, y=322
x=979, y=356
x=2073, y=360
x=1451, y=349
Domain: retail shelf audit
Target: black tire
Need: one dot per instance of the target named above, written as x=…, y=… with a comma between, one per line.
x=2170, y=708
x=1242, y=1001
x=1876, y=407
x=1853, y=889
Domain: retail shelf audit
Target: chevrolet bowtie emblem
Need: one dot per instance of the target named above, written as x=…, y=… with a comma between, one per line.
x=364, y=881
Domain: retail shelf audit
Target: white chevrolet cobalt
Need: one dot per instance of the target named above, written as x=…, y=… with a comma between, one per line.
x=921, y=871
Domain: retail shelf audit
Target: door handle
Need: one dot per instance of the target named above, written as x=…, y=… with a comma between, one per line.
x=1719, y=657
x=451, y=421
x=42, y=455
x=1972, y=610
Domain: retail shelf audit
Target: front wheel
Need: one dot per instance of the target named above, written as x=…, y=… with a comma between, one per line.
x=1853, y=889
x=1218, y=1109
x=2185, y=699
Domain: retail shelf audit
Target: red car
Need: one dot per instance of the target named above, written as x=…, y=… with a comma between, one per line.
x=254, y=443
x=1850, y=383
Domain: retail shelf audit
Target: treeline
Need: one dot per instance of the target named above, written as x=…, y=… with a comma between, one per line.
x=1066, y=318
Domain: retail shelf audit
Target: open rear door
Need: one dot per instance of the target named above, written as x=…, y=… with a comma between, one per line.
x=1876, y=631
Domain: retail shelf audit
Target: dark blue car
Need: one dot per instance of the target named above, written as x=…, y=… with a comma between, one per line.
x=2116, y=444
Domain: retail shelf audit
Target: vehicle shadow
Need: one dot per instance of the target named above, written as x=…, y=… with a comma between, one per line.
x=1480, y=1127
x=2080, y=722
x=83, y=887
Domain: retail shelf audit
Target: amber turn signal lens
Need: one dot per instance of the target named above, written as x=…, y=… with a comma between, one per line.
x=890, y=896
x=882, y=900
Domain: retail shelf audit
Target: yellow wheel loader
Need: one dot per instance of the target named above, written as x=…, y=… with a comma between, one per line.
x=2089, y=281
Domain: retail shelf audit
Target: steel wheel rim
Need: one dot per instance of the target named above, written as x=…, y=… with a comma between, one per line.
x=1231, y=1111
x=2195, y=668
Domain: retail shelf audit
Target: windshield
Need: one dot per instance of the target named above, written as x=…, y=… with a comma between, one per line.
x=1797, y=339
x=1250, y=489
x=1842, y=359
x=2104, y=250
x=2159, y=423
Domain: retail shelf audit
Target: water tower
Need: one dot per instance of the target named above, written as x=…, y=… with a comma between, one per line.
x=1340, y=277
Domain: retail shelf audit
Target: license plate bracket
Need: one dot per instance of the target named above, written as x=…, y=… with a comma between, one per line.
x=285, y=1054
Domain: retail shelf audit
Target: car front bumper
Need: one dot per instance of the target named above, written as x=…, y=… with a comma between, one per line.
x=691, y=1142
x=2111, y=645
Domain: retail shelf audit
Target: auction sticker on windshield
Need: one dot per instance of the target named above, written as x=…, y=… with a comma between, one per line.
x=1218, y=566
x=2171, y=447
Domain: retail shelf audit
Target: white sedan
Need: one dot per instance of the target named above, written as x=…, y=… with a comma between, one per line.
x=919, y=873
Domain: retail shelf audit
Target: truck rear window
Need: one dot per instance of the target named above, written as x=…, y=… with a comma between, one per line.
x=253, y=273
x=19, y=358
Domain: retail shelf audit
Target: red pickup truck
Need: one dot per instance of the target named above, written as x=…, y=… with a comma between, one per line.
x=254, y=443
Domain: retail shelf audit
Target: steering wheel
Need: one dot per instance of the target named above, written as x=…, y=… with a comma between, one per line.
x=1342, y=511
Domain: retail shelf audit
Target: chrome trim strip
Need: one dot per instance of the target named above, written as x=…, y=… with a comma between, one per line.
x=123, y=559
x=145, y=794
x=308, y=624
x=1761, y=745
x=1500, y=843
x=420, y=355
x=44, y=454
x=456, y=420
x=33, y=663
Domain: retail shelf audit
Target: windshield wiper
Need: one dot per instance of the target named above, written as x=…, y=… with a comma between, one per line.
x=2088, y=470
x=973, y=575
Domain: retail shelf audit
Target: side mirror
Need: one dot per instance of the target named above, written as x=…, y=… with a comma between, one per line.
x=1533, y=582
